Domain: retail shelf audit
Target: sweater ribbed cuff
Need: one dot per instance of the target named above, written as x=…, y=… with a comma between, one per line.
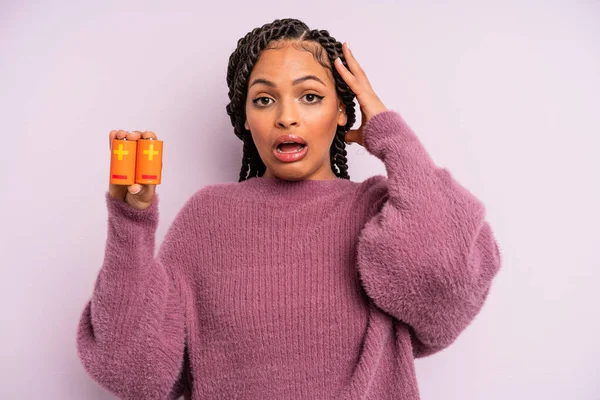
x=118, y=207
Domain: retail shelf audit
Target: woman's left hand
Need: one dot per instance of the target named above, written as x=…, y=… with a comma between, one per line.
x=370, y=104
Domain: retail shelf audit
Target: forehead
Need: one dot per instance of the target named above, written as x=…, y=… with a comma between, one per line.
x=284, y=62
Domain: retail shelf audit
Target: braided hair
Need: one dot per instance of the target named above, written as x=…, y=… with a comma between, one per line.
x=243, y=59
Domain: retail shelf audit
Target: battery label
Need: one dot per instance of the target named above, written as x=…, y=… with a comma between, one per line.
x=120, y=152
x=151, y=152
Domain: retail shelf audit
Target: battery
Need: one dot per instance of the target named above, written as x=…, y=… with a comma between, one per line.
x=122, y=162
x=149, y=161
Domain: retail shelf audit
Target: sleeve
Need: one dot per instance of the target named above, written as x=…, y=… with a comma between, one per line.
x=131, y=333
x=427, y=257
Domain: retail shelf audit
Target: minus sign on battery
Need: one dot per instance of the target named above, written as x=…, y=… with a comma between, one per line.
x=148, y=176
x=119, y=176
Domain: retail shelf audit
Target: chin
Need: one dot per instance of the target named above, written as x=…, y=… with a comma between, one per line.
x=289, y=172
x=289, y=176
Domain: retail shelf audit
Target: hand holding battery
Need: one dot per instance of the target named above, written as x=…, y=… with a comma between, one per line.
x=135, y=167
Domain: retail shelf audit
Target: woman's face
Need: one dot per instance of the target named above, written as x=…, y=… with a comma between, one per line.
x=290, y=93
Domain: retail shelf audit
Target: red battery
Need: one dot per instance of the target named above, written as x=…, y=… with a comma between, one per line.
x=122, y=162
x=149, y=161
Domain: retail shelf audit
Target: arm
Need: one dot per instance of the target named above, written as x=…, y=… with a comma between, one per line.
x=427, y=257
x=131, y=334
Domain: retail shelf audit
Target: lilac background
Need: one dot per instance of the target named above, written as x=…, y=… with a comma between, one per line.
x=505, y=95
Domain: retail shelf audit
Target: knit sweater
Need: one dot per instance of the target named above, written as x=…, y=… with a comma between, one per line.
x=276, y=289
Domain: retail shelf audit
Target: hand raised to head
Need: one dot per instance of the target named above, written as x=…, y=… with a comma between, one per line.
x=369, y=102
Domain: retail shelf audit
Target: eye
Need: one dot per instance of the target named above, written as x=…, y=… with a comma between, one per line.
x=261, y=103
x=313, y=96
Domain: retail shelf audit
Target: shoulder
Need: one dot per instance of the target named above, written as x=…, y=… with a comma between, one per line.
x=215, y=191
x=210, y=196
x=373, y=192
x=200, y=208
x=375, y=186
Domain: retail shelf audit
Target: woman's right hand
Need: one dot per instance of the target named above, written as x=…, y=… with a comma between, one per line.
x=136, y=195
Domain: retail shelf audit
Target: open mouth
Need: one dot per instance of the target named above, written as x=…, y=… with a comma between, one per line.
x=290, y=147
x=290, y=152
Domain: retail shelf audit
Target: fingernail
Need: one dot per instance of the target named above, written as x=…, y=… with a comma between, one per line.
x=338, y=60
x=347, y=46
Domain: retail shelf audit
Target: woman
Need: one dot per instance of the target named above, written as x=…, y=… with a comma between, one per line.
x=295, y=282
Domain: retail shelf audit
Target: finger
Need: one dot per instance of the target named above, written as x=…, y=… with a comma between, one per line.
x=146, y=134
x=111, y=136
x=121, y=134
x=355, y=67
x=149, y=134
x=116, y=134
x=345, y=74
x=134, y=135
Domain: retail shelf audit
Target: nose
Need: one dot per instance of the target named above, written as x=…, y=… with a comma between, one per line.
x=287, y=116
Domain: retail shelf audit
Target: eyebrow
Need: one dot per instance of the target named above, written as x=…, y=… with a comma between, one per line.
x=295, y=82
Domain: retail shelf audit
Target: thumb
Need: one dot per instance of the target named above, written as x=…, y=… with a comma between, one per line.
x=136, y=188
x=352, y=136
x=143, y=193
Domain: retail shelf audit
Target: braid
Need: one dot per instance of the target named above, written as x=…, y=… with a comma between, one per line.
x=243, y=59
x=251, y=159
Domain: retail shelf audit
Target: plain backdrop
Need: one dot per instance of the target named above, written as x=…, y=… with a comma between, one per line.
x=503, y=94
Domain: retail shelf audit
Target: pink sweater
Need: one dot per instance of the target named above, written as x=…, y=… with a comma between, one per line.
x=273, y=289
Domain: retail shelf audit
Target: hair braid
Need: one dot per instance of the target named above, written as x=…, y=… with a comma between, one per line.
x=243, y=59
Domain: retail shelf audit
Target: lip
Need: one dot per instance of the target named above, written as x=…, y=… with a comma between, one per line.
x=290, y=157
x=288, y=138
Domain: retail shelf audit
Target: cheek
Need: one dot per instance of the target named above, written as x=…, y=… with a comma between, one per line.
x=257, y=136
x=258, y=130
x=253, y=121
x=323, y=121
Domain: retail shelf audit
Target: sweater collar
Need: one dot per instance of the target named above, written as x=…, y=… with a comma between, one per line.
x=296, y=190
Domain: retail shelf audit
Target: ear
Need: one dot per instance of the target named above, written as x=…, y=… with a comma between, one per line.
x=342, y=116
x=246, y=125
